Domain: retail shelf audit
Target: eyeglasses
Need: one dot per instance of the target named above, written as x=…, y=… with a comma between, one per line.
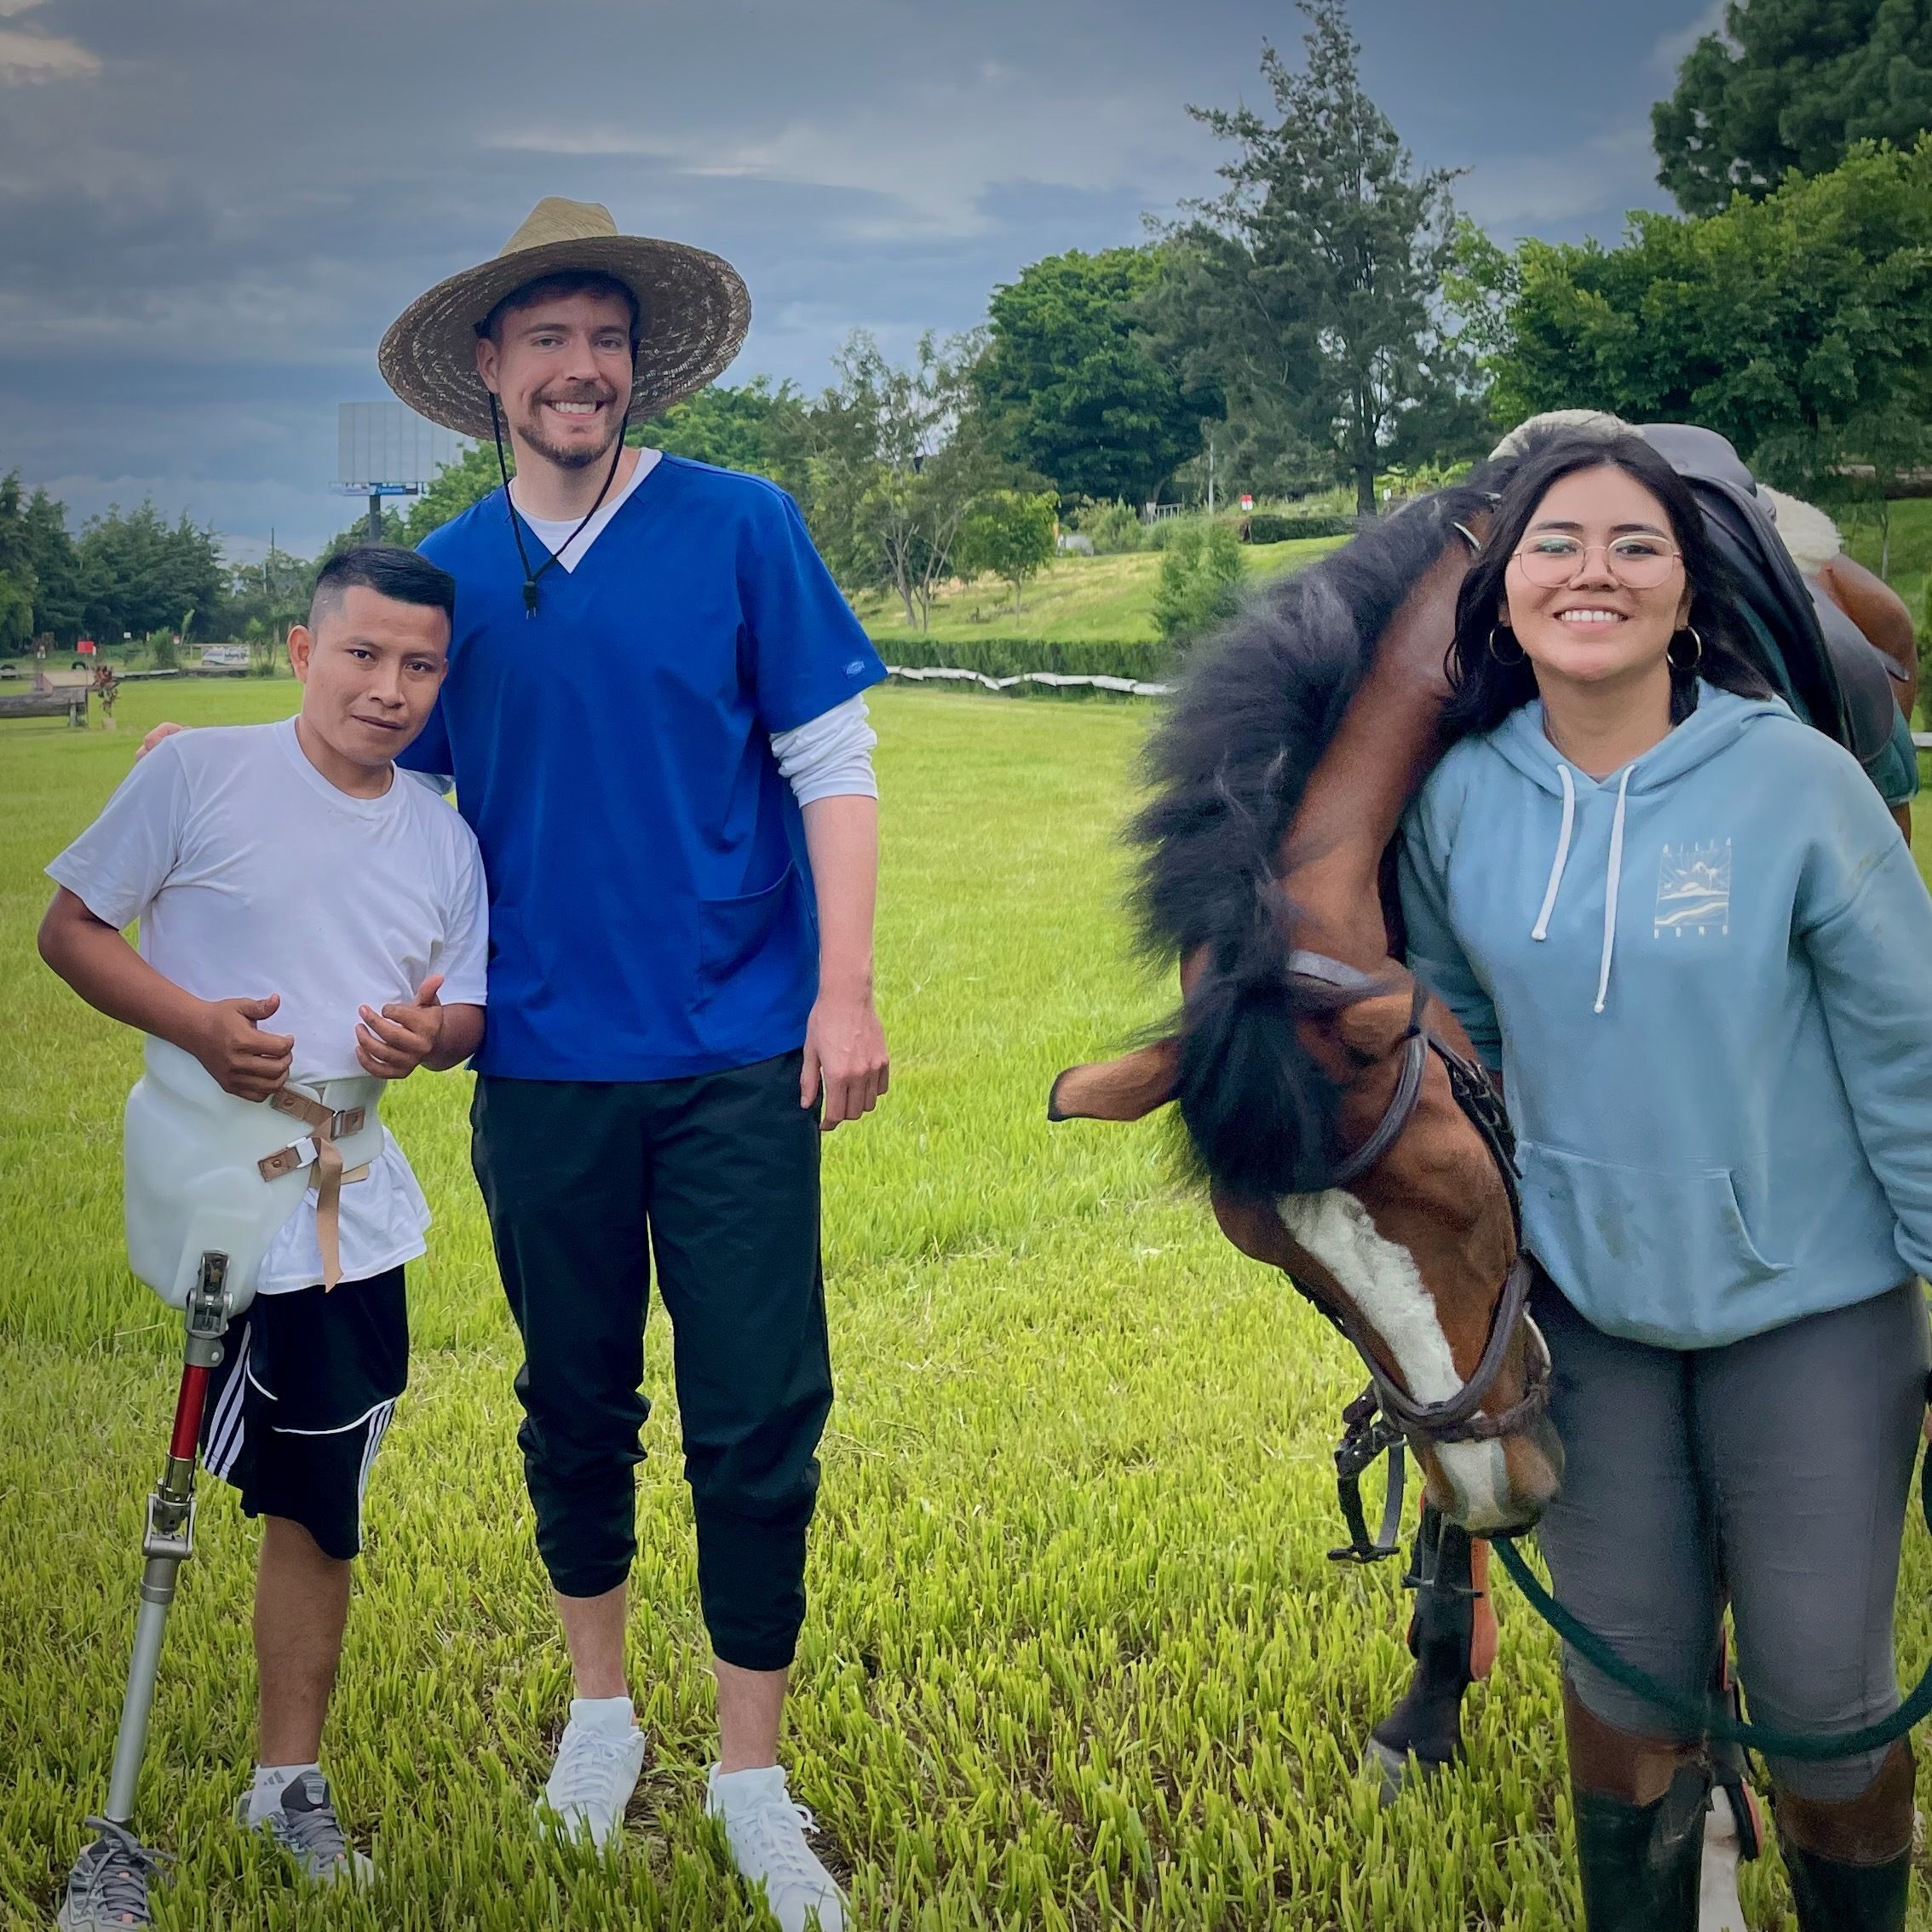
x=1551, y=561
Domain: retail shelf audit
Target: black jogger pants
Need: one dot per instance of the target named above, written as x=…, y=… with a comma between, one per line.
x=717, y=1175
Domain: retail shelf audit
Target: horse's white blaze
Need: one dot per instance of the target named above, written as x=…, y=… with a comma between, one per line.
x=1385, y=1285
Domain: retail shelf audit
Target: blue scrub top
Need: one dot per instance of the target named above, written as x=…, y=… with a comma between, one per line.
x=651, y=907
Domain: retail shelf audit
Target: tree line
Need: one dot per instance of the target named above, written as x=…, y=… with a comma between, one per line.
x=1325, y=321
x=126, y=574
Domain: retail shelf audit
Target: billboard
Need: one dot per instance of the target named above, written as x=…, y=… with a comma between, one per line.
x=386, y=448
x=229, y=657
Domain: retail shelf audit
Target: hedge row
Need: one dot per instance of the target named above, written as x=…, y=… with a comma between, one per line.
x=1145, y=661
x=1266, y=526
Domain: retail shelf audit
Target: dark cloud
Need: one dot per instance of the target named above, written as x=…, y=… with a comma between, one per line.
x=210, y=210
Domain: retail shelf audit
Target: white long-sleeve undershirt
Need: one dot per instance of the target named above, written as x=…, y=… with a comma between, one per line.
x=830, y=755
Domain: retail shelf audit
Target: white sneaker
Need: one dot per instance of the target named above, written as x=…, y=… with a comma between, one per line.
x=596, y=1771
x=766, y=1832
x=1718, y=1909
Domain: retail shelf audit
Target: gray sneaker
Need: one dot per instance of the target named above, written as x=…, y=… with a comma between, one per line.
x=107, y=1888
x=305, y=1825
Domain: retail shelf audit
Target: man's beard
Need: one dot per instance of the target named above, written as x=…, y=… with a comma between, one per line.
x=574, y=456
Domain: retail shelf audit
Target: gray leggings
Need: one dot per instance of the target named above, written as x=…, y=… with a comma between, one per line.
x=1776, y=1470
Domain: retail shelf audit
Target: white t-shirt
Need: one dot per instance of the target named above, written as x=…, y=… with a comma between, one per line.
x=251, y=874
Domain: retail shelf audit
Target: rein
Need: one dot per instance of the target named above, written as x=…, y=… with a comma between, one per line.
x=1383, y=1415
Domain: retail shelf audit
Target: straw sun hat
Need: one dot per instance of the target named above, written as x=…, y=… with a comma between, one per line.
x=693, y=314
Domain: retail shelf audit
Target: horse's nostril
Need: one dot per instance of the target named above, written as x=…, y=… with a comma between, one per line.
x=1535, y=1469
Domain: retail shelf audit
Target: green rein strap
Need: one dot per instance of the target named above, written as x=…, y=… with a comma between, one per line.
x=1696, y=1712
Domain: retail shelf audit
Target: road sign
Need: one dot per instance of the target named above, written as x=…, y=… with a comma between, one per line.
x=385, y=449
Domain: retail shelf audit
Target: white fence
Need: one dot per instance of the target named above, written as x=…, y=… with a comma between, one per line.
x=1059, y=679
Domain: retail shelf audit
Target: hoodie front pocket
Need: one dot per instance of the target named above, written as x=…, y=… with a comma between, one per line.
x=1643, y=1250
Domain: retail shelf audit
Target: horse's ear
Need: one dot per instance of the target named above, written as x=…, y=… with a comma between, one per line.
x=1126, y=1089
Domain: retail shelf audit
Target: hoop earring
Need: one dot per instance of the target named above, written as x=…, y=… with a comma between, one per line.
x=1690, y=631
x=1508, y=663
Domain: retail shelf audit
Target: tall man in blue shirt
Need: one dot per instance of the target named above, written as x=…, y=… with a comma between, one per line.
x=654, y=720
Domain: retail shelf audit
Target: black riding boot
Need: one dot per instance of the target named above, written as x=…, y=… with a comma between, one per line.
x=1833, y=1896
x=1428, y=1722
x=1641, y=1864
x=1850, y=1863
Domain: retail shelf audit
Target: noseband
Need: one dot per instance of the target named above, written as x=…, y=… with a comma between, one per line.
x=1384, y=1415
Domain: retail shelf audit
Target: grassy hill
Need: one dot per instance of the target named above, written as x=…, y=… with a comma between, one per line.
x=1075, y=600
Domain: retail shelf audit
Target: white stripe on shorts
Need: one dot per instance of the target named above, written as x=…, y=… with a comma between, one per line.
x=378, y=1427
x=342, y=1429
x=225, y=1431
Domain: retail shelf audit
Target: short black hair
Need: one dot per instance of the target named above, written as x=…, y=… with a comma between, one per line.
x=1485, y=688
x=388, y=569
x=555, y=288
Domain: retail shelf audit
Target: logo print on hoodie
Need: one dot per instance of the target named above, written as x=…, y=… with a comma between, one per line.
x=1694, y=889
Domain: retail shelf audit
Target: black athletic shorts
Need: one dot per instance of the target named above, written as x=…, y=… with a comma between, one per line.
x=296, y=1410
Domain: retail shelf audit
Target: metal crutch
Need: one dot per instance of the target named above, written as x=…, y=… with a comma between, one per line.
x=166, y=1543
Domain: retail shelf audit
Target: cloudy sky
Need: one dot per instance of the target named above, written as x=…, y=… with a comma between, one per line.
x=209, y=210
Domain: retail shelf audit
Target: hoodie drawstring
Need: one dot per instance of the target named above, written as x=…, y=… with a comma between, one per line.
x=1611, y=881
x=1540, y=930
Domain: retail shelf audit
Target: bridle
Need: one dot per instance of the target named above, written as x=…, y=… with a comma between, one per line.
x=1384, y=1416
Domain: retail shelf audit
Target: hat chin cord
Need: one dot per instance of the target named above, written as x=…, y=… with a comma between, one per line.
x=530, y=576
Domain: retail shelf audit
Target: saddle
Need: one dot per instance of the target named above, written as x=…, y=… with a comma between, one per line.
x=1807, y=649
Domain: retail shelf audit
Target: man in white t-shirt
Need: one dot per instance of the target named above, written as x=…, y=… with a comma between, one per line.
x=307, y=915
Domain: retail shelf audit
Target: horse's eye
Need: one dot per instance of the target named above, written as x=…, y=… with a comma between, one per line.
x=1362, y=1058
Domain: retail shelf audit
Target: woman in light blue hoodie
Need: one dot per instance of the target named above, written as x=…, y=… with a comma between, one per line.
x=1683, y=926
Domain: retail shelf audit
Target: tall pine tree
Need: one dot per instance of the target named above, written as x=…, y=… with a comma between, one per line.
x=1311, y=293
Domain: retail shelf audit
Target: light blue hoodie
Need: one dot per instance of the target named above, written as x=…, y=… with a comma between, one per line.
x=1723, y=1088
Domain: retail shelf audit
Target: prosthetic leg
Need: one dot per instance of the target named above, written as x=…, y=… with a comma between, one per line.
x=110, y=1882
x=1453, y=1639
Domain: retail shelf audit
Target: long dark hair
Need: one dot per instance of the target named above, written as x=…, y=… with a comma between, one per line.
x=1485, y=689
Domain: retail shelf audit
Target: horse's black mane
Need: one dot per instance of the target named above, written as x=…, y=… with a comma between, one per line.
x=1226, y=767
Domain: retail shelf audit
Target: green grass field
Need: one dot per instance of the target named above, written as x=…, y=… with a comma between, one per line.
x=1074, y=600
x=1075, y=1657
